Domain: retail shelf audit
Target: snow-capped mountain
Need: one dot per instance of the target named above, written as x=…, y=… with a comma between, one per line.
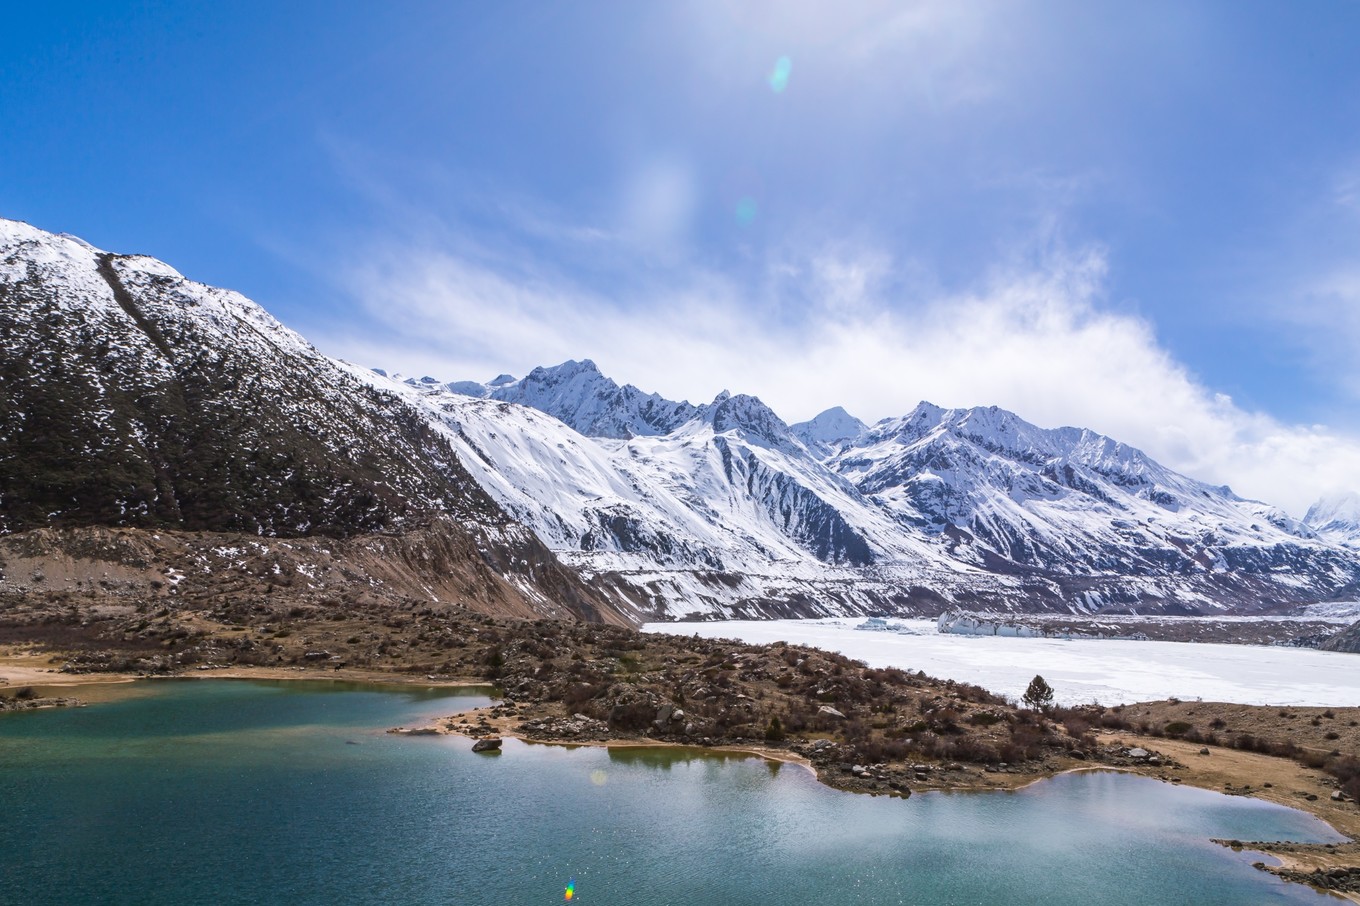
x=726, y=514
x=577, y=394
x=828, y=432
x=1336, y=518
x=1065, y=501
x=132, y=397
x=724, y=509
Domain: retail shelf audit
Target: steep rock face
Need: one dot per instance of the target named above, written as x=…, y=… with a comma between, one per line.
x=752, y=419
x=133, y=397
x=1347, y=640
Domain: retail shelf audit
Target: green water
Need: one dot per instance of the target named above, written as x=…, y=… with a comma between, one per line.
x=244, y=792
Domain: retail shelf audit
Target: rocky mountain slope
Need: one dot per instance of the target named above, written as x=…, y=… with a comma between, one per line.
x=722, y=509
x=134, y=398
x=1347, y=640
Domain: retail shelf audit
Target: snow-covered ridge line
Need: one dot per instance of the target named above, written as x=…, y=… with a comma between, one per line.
x=936, y=509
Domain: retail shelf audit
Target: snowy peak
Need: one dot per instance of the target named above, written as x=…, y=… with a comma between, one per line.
x=998, y=431
x=1337, y=517
x=579, y=395
x=829, y=430
x=749, y=416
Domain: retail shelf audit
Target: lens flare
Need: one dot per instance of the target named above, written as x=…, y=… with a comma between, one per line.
x=571, y=889
x=746, y=210
x=779, y=78
x=599, y=778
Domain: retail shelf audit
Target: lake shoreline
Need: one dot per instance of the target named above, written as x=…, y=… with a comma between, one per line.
x=16, y=672
x=1271, y=778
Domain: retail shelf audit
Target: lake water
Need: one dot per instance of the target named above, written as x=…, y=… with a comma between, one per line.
x=218, y=791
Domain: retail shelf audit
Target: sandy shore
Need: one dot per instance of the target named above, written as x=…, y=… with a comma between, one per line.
x=20, y=669
x=1277, y=780
x=1240, y=773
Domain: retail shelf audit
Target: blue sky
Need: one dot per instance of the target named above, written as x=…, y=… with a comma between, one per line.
x=1143, y=218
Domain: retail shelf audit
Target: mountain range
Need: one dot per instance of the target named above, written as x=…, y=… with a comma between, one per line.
x=137, y=399
x=723, y=509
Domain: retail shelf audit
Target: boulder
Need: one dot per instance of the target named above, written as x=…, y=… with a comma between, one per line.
x=490, y=744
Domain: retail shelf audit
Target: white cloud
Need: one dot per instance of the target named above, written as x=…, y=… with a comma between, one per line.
x=1036, y=341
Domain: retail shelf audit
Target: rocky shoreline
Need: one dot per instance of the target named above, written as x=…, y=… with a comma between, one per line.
x=35, y=704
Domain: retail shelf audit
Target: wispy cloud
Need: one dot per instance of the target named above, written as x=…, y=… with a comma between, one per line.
x=1035, y=339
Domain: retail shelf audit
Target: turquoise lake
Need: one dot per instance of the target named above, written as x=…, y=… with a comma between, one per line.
x=221, y=791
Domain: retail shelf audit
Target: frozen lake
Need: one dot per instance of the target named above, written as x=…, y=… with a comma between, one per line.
x=1080, y=671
